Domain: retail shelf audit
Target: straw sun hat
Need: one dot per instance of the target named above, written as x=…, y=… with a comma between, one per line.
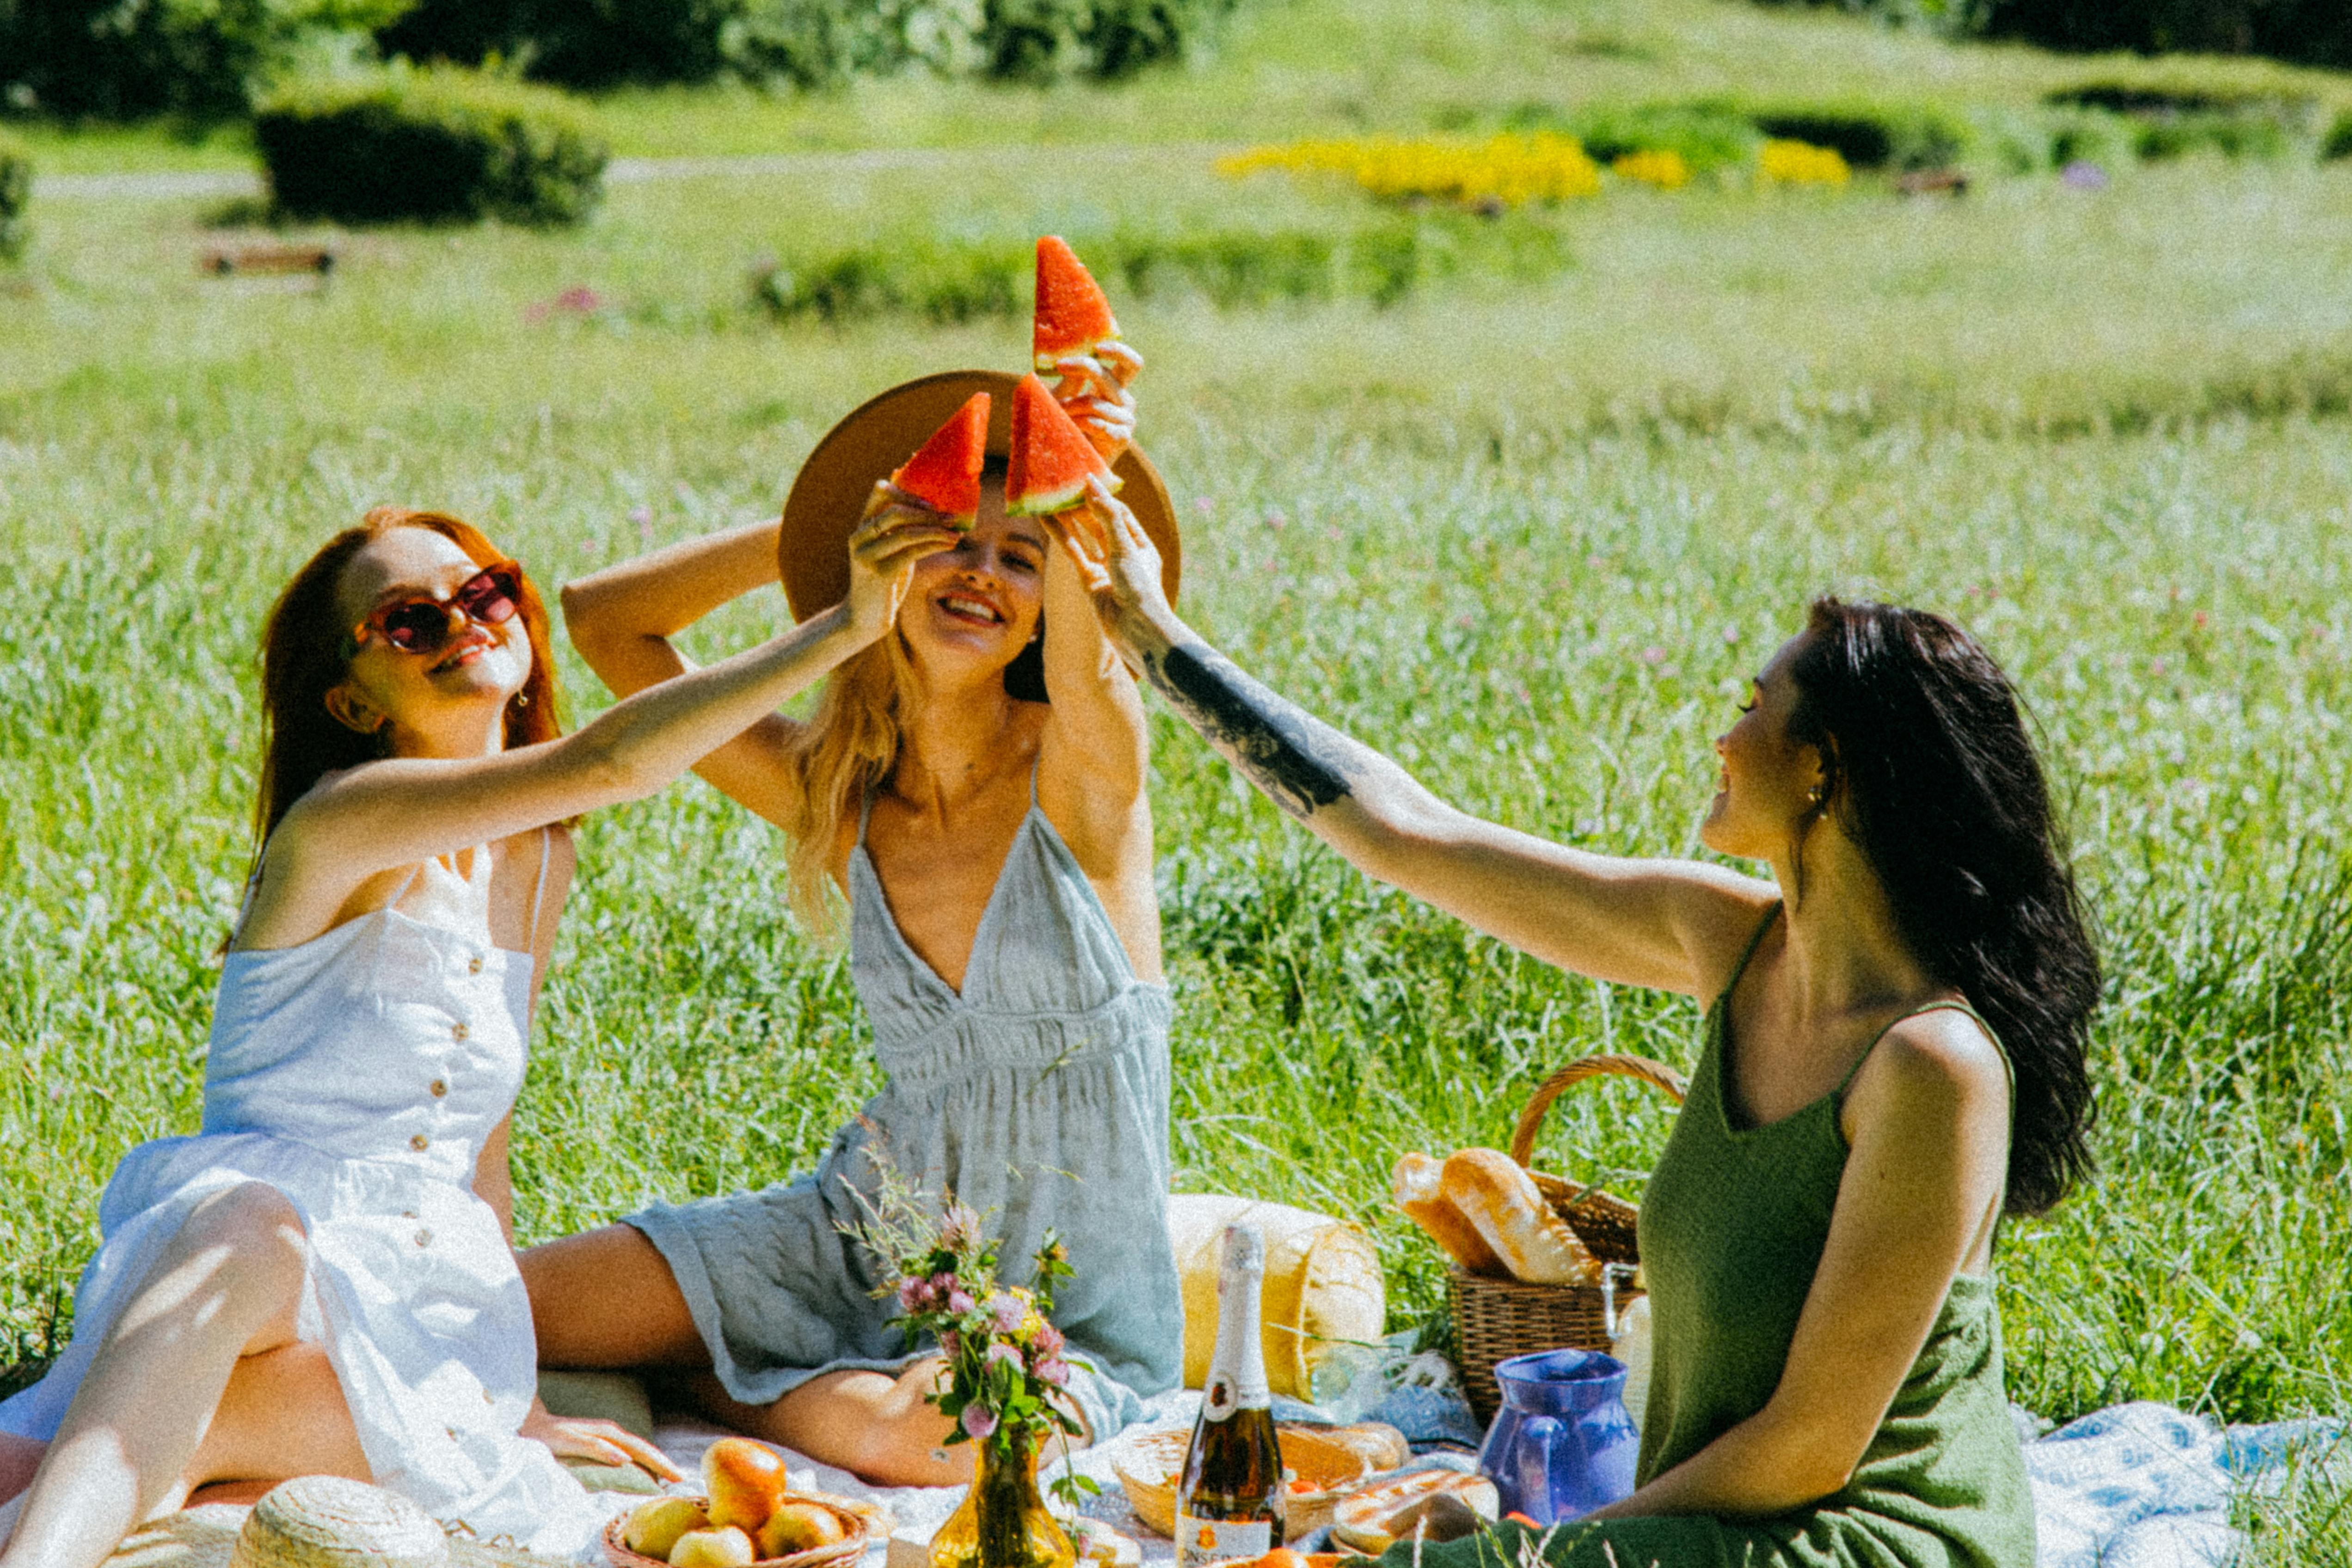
x=316, y=1521
x=829, y=497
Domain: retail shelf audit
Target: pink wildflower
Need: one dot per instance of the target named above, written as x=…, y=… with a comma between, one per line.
x=1005, y=1311
x=1053, y=1370
x=979, y=1422
x=1000, y=1353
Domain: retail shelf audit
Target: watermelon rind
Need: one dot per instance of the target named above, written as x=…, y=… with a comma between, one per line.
x=1046, y=503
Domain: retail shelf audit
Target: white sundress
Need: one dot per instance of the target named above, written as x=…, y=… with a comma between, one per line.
x=360, y=1074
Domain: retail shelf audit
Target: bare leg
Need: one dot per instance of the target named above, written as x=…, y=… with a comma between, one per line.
x=227, y=1287
x=878, y=1428
x=19, y=1458
x=281, y=1415
x=606, y=1299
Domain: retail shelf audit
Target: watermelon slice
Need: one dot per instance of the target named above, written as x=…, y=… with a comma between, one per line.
x=945, y=474
x=1052, y=458
x=1072, y=314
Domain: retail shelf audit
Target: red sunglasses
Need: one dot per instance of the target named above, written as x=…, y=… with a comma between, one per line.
x=489, y=597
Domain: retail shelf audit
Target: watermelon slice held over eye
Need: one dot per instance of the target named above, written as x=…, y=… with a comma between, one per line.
x=1072, y=314
x=945, y=474
x=1052, y=458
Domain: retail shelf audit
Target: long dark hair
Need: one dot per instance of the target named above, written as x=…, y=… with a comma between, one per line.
x=1931, y=773
x=303, y=659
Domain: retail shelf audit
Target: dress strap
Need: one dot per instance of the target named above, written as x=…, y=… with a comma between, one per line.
x=1746, y=954
x=546, y=854
x=414, y=872
x=865, y=814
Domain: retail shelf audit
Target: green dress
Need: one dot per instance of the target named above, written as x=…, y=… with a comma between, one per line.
x=1732, y=1231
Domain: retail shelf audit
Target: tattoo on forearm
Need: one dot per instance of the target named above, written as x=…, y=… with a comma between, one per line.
x=1286, y=751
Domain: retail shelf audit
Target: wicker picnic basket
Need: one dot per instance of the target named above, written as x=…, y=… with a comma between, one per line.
x=1495, y=1320
x=858, y=1519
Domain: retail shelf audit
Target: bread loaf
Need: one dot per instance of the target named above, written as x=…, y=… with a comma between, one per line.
x=1501, y=1201
x=1415, y=1182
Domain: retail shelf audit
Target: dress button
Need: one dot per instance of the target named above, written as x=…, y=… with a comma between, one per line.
x=420, y=1142
x=459, y=1031
x=473, y=966
x=424, y=1239
x=440, y=1087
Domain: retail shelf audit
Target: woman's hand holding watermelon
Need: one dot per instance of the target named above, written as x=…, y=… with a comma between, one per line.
x=1092, y=390
x=1117, y=565
x=897, y=532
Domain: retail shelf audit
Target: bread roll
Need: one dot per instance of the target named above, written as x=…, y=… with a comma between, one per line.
x=1500, y=1199
x=1416, y=1187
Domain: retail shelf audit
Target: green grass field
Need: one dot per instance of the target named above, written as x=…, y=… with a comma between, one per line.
x=1528, y=537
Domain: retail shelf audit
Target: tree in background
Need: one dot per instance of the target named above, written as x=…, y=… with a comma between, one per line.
x=126, y=59
x=803, y=43
x=2307, y=32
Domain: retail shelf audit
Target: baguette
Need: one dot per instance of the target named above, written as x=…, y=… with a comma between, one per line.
x=1501, y=1200
x=1416, y=1189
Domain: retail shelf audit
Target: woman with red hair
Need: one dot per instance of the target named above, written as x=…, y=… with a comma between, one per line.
x=321, y=1279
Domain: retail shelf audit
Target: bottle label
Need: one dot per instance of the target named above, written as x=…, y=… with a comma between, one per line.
x=1201, y=1541
x=1226, y=1395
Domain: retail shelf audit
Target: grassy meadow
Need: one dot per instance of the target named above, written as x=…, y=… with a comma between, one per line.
x=1528, y=535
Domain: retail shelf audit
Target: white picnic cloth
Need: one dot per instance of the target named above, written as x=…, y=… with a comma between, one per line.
x=2146, y=1486
x=2134, y=1486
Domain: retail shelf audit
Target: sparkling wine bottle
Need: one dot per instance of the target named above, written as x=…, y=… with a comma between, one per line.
x=1229, y=1499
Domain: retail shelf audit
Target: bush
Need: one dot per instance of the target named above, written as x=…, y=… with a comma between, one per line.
x=16, y=191
x=204, y=58
x=1868, y=136
x=2168, y=122
x=436, y=146
x=949, y=283
x=806, y=43
x=1706, y=135
x=2338, y=142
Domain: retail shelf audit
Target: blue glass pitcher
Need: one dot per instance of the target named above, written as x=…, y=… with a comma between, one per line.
x=1562, y=1445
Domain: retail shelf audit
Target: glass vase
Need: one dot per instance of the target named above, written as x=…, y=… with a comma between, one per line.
x=1004, y=1523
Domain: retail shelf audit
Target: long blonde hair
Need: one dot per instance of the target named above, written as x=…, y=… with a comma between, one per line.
x=849, y=748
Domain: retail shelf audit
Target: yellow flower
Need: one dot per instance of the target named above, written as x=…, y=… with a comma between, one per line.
x=1800, y=163
x=1662, y=167
x=1505, y=171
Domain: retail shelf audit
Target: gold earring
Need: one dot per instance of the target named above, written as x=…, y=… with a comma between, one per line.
x=522, y=699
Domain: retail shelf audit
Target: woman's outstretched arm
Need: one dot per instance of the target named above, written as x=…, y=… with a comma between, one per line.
x=1674, y=925
x=395, y=812
x=622, y=620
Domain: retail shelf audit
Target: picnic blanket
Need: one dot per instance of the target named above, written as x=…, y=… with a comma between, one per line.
x=2134, y=1486
x=2147, y=1486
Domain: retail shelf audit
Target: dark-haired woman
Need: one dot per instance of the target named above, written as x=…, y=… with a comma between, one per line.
x=1892, y=1061
x=320, y=1280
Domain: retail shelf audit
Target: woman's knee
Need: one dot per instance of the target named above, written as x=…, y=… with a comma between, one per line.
x=251, y=1239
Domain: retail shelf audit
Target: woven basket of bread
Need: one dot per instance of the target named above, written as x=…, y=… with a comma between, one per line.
x=1495, y=1320
x=1318, y=1469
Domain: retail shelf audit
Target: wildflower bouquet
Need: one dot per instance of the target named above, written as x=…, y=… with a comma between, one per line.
x=1005, y=1360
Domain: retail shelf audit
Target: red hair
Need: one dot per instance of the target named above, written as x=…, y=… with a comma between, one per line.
x=303, y=658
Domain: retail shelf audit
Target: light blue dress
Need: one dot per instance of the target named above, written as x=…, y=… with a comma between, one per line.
x=1039, y=1097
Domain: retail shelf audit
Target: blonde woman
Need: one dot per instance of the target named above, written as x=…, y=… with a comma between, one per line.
x=976, y=790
